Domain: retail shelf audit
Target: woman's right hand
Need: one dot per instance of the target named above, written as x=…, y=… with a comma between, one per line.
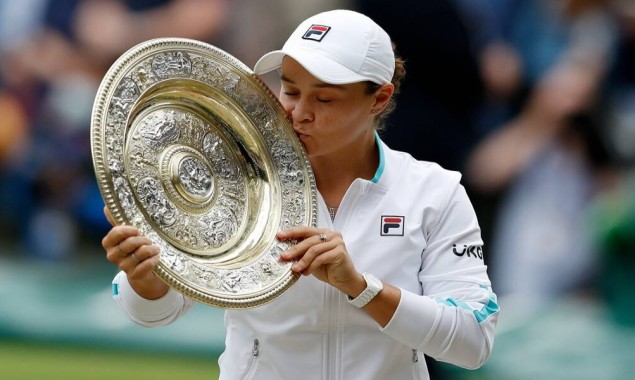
x=134, y=254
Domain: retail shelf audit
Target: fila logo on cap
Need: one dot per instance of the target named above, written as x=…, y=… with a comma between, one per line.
x=392, y=225
x=316, y=32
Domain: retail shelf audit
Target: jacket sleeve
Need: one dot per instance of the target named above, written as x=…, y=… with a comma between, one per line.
x=149, y=313
x=455, y=318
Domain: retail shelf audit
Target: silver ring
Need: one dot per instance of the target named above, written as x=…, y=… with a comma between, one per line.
x=323, y=238
x=122, y=253
x=135, y=257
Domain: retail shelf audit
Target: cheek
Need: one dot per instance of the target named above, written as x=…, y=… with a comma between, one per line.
x=352, y=115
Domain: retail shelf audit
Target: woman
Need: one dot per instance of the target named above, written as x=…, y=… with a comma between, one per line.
x=395, y=268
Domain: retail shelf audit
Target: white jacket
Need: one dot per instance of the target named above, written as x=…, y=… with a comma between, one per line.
x=431, y=250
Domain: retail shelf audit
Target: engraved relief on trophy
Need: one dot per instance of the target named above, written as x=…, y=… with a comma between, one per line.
x=171, y=63
x=160, y=209
x=159, y=129
x=124, y=97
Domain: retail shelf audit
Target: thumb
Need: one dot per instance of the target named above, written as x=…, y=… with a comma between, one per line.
x=111, y=220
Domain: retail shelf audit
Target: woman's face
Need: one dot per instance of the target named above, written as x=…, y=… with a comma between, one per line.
x=327, y=118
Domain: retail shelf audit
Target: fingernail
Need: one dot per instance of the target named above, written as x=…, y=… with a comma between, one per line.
x=296, y=266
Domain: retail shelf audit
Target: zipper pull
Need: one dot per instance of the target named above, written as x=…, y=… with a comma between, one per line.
x=254, y=351
x=415, y=356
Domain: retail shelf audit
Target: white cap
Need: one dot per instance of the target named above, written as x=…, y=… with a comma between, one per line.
x=337, y=47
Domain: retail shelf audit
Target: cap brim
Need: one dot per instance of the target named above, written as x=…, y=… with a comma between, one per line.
x=324, y=69
x=269, y=62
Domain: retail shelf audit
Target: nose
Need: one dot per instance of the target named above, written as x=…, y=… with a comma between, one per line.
x=300, y=111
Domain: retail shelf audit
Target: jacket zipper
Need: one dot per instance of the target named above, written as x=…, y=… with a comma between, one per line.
x=330, y=338
x=415, y=364
x=255, y=350
x=333, y=297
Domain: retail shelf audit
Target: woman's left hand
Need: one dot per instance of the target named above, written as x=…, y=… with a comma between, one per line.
x=322, y=253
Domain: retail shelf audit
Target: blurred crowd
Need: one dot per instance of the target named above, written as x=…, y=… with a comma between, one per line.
x=532, y=100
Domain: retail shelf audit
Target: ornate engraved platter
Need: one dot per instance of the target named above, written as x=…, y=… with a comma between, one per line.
x=190, y=147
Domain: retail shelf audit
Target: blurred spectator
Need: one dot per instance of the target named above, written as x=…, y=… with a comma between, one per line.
x=18, y=24
x=547, y=157
x=12, y=125
x=619, y=107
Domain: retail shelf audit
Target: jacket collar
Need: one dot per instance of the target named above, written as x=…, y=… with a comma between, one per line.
x=387, y=164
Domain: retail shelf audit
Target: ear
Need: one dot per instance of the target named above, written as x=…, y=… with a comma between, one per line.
x=381, y=97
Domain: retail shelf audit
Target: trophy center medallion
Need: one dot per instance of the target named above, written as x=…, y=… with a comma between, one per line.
x=188, y=178
x=193, y=178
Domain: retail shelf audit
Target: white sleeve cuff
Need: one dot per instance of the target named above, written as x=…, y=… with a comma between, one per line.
x=146, y=312
x=414, y=319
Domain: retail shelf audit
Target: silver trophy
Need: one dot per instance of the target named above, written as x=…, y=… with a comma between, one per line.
x=190, y=147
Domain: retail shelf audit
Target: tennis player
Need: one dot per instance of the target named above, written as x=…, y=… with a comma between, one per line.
x=394, y=269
